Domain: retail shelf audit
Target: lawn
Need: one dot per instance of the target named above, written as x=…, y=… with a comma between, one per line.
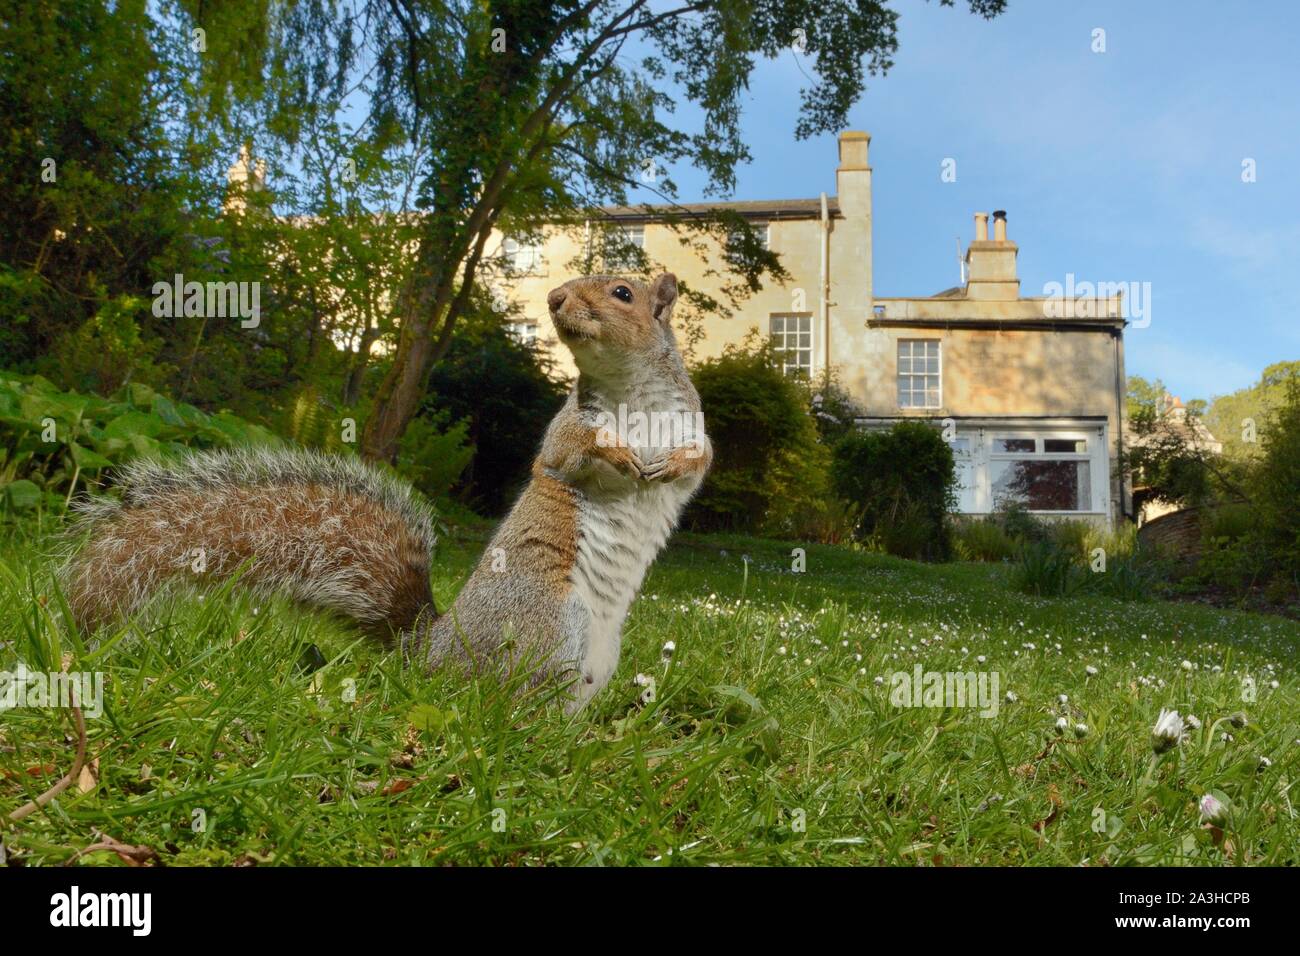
x=237, y=731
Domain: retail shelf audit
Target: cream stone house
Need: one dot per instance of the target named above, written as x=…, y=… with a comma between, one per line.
x=1030, y=390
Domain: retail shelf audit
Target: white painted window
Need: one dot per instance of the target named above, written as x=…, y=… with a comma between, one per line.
x=1041, y=472
x=618, y=256
x=524, y=332
x=919, y=373
x=792, y=341
x=967, y=479
x=761, y=229
x=522, y=257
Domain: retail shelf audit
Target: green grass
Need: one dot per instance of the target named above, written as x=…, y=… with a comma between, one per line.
x=768, y=740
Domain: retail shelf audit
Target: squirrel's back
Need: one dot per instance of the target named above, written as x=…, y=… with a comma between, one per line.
x=326, y=530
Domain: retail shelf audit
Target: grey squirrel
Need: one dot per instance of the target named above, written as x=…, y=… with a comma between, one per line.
x=616, y=467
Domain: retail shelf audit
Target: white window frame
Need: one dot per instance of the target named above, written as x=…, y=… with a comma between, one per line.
x=1040, y=437
x=523, y=331
x=975, y=497
x=522, y=257
x=899, y=374
x=616, y=260
x=799, y=349
x=764, y=230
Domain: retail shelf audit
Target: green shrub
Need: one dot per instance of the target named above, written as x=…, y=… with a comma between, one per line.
x=1073, y=537
x=1048, y=570
x=53, y=442
x=1231, y=521
x=902, y=481
x=770, y=473
x=1234, y=565
x=506, y=393
x=1130, y=576
x=1277, y=483
x=1020, y=525
x=983, y=539
x=433, y=455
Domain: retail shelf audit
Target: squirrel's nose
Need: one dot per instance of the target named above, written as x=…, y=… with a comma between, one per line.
x=556, y=299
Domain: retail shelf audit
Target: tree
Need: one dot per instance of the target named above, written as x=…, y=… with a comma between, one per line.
x=768, y=465
x=902, y=482
x=534, y=118
x=1277, y=481
x=539, y=119
x=1237, y=419
x=94, y=197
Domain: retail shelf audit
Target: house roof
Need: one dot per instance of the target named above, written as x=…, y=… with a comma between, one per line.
x=750, y=208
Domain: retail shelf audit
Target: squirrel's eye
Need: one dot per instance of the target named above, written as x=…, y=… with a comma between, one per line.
x=623, y=292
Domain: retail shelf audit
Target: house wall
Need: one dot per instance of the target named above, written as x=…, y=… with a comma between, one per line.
x=1004, y=356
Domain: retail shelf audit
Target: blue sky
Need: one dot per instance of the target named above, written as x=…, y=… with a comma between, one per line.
x=1117, y=166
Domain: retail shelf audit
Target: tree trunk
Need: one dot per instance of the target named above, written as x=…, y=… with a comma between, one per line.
x=400, y=394
x=357, y=374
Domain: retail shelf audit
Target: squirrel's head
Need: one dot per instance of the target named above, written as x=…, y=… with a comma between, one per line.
x=606, y=320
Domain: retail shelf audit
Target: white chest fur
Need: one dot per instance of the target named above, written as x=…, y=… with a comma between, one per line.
x=622, y=525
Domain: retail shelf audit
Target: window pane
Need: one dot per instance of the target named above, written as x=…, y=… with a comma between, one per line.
x=1072, y=445
x=778, y=323
x=1020, y=445
x=1042, y=485
x=960, y=446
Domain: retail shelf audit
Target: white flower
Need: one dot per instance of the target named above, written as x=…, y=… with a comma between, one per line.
x=1064, y=699
x=981, y=659
x=1167, y=731
x=670, y=648
x=1011, y=697
x=1186, y=665
x=1193, y=721
x=879, y=682
x=1090, y=671
x=1213, y=810
x=1226, y=737
x=1238, y=720
x=1273, y=684
x=1080, y=730
x=643, y=680
x=1265, y=763
x=1062, y=725
x=781, y=649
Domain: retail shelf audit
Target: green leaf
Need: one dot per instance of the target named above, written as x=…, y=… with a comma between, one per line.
x=427, y=717
x=22, y=495
x=88, y=460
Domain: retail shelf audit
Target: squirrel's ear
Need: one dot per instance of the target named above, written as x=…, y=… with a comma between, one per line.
x=663, y=295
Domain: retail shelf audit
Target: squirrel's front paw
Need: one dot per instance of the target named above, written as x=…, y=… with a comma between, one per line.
x=622, y=459
x=673, y=464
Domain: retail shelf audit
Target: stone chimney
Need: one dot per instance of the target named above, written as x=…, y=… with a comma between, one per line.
x=244, y=174
x=991, y=263
x=850, y=247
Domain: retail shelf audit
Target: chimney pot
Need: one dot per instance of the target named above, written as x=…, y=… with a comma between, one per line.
x=1000, y=225
x=981, y=226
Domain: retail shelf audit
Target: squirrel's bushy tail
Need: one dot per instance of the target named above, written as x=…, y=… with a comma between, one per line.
x=328, y=531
